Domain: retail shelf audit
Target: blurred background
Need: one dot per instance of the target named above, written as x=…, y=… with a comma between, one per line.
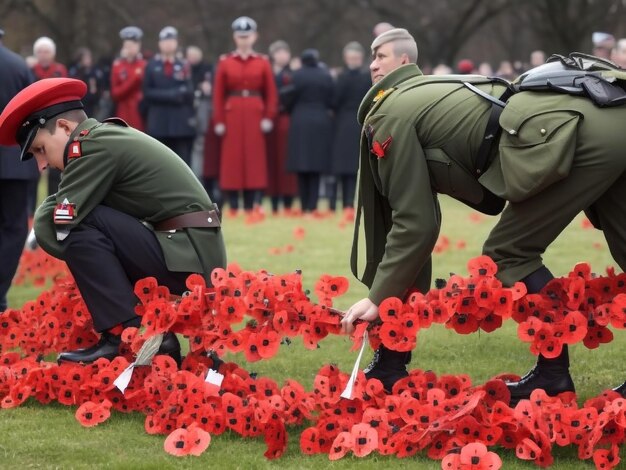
x=446, y=30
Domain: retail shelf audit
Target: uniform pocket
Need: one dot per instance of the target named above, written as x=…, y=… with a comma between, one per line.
x=535, y=151
x=448, y=177
x=179, y=253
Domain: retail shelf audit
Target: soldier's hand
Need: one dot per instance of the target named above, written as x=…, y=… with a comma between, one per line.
x=364, y=309
x=266, y=125
x=220, y=129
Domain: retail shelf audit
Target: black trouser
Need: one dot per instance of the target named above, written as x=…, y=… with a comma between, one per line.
x=13, y=231
x=309, y=189
x=287, y=202
x=348, y=187
x=249, y=198
x=107, y=254
x=182, y=146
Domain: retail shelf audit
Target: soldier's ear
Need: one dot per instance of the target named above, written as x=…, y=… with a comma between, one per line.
x=66, y=126
x=404, y=59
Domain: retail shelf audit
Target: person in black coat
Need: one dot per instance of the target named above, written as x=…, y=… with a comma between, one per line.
x=84, y=69
x=311, y=127
x=14, y=176
x=351, y=86
x=168, y=95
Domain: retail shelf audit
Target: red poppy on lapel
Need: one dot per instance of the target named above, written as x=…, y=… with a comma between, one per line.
x=379, y=148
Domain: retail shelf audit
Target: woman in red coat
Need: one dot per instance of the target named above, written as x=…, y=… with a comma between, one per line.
x=244, y=103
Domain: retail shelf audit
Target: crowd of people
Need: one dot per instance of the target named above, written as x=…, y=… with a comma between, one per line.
x=290, y=119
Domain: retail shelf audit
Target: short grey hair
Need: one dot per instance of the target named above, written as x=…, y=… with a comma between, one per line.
x=46, y=43
x=354, y=46
x=403, y=43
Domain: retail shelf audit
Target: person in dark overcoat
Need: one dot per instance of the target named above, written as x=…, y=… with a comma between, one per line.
x=351, y=86
x=311, y=128
x=168, y=97
x=14, y=176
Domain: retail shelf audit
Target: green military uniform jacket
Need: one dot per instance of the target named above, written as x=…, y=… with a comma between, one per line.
x=421, y=136
x=122, y=168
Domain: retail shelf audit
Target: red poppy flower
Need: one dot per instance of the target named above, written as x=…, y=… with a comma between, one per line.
x=463, y=324
x=607, y=459
x=231, y=310
x=343, y=443
x=482, y=266
x=390, y=310
x=475, y=456
x=597, y=335
x=310, y=441
x=527, y=330
x=491, y=322
x=618, y=311
x=190, y=441
x=365, y=439
x=145, y=289
x=91, y=414
x=398, y=338
x=330, y=287
x=17, y=395
x=574, y=327
x=275, y=439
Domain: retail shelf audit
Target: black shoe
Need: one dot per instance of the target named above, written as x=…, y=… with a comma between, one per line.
x=621, y=390
x=171, y=347
x=553, y=382
x=388, y=366
x=107, y=347
x=551, y=375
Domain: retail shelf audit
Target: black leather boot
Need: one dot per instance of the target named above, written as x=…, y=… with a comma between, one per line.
x=388, y=366
x=107, y=347
x=551, y=375
x=621, y=390
x=171, y=347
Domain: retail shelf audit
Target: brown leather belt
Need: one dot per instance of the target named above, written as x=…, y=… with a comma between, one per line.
x=244, y=93
x=200, y=219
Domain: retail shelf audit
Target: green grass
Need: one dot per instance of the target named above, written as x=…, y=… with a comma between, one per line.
x=36, y=436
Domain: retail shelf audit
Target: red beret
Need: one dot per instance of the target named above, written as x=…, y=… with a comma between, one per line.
x=34, y=105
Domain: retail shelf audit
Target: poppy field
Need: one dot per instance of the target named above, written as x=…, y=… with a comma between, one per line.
x=285, y=364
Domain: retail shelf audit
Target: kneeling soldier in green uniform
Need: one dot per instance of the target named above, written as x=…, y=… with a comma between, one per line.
x=550, y=155
x=127, y=208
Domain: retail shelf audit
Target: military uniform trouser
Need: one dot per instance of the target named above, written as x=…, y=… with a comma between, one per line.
x=595, y=184
x=107, y=254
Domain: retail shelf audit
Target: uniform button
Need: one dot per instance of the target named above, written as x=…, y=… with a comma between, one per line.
x=169, y=236
x=209, y=220
x=512, y=132
x=543, y=131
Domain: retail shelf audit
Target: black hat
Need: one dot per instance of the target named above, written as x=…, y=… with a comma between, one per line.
x=310, y=56
x=244, y=25
x=132, y=33
x=169, y=32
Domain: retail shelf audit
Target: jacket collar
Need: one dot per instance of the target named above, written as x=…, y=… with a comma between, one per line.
x=388, y=82
x=86, y=124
